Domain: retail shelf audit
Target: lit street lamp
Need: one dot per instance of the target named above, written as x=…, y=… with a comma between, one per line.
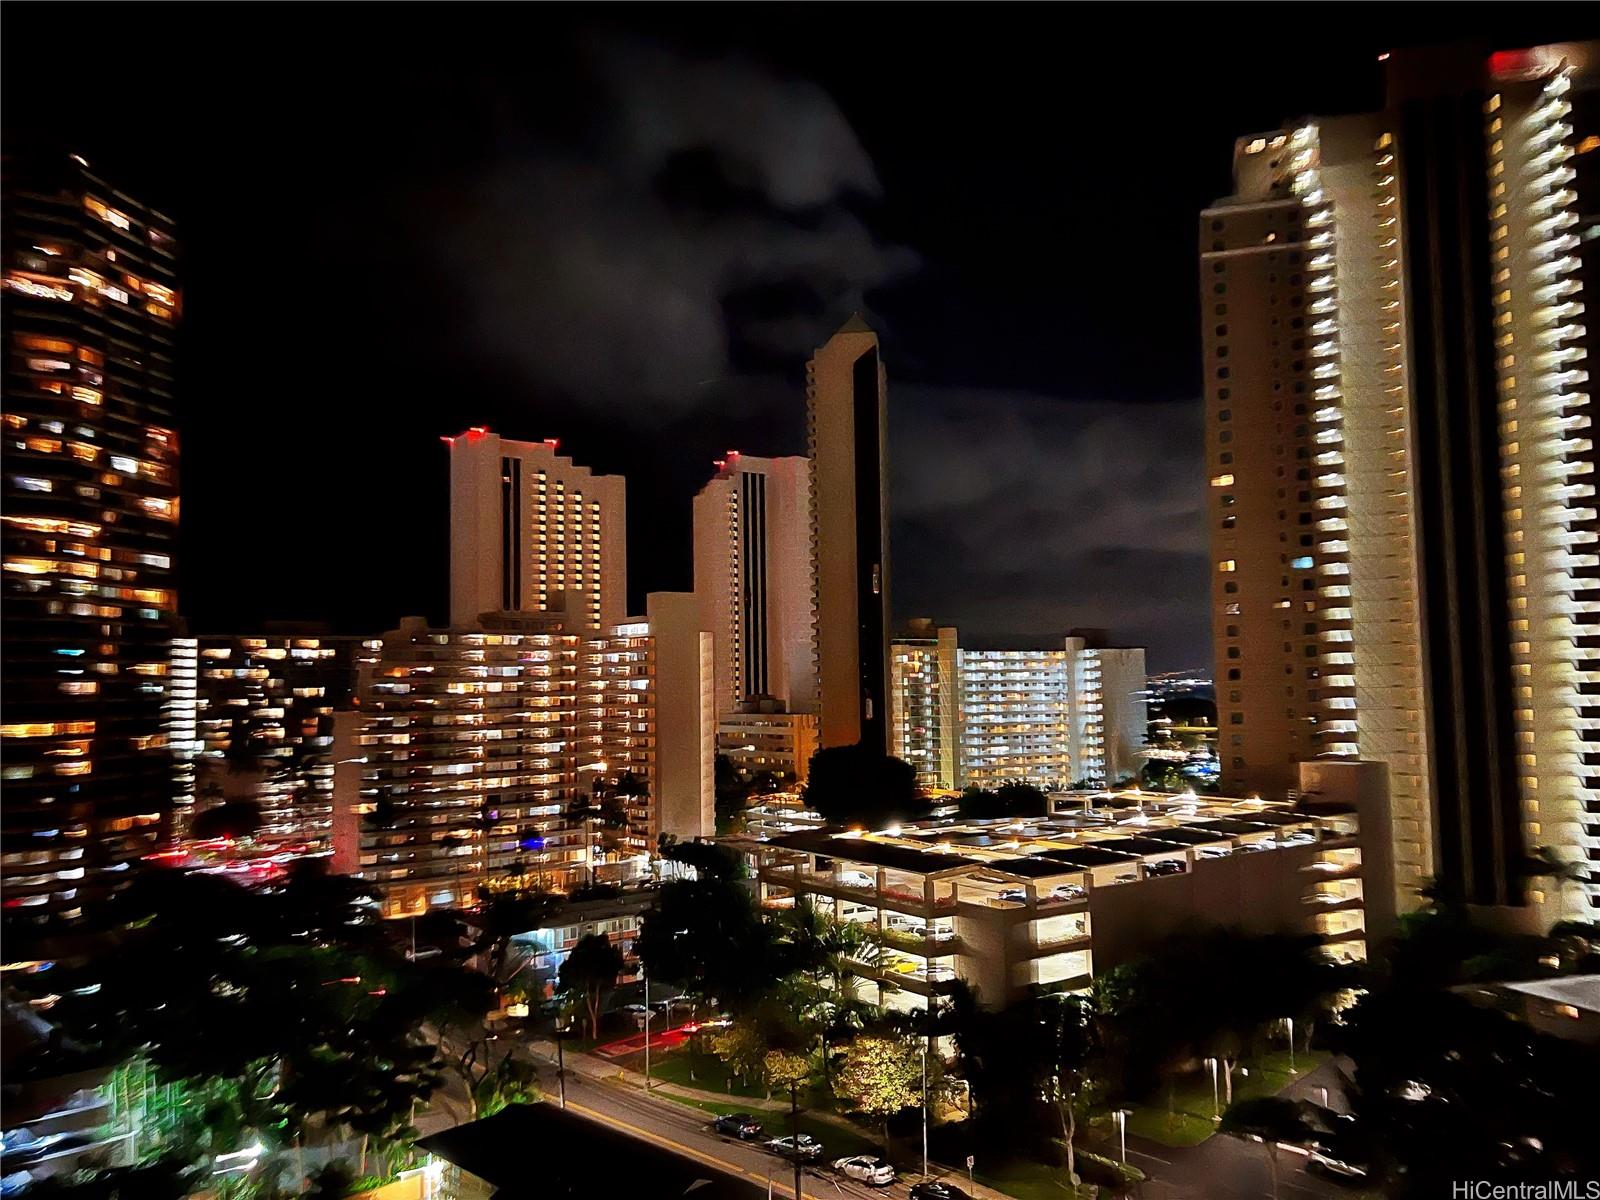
x=1122, y=1134
x=1216, y=1100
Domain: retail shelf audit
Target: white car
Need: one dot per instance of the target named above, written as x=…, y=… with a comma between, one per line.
x=868, y=1168
x=856, y=879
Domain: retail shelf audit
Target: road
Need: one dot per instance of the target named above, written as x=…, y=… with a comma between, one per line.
x=678, y=1127
x=1221, y=1168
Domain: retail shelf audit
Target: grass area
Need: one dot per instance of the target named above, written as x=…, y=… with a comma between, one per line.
x=1170, y=1129
x=1027, y=1180
x=1190, y=1121
x=710, y=1073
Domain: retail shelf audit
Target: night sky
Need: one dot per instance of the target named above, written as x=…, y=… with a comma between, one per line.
x=627, y=228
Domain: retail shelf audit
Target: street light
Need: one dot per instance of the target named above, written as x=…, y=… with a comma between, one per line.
x=1122, y=1134
x=645, y=976
x=1216, y=1102
x=1289, y=1021
x=924, y=1109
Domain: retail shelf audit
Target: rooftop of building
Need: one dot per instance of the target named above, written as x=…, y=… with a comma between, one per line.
x=1089, y=829
x=528, y=1150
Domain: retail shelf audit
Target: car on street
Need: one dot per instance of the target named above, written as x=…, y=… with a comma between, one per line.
x=805, y=1146
x=938, y=1189
x=865, y=1168
x=738, y=1125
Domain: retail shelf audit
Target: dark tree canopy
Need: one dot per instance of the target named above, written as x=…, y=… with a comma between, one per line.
x=233, y=819
x=861, y=785
x=1007, y=800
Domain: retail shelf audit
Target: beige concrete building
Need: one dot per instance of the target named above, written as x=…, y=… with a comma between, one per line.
x=516, y=751
x=925, y=694
x=754, y=580
x=1399, y=454
x=847, y=424
x=649, y=712
x=526, y=525
x=475, y=773
x=1008, y=906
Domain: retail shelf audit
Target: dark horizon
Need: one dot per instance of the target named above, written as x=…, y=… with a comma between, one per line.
x=631, y=236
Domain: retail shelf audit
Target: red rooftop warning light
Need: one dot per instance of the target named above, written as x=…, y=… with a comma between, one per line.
x=1524, y=64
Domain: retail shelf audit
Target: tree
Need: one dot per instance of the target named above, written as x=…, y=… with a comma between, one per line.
x=880, y=1076
x=1070, y=1052
x=503, y=914
x=827, y=953
x=590, y=971
x=731, y=792
x=862, y=785
x=707, y=936
x=237, y=819
x=288, y=1027
x=1268, y=1120
x=743, y=1048
x=707, y=859
x=1008, y=800
x=1444, y=1088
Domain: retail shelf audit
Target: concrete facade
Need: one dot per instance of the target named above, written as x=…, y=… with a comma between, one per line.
x=527, y=525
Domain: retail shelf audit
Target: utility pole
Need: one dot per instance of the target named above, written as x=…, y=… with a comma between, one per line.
x=794, y=1132
x=561, y=1063
x=645, y=975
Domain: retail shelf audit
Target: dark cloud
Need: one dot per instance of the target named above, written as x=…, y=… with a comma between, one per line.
x=710, y=211
x=675, y=264
x=1019, y=516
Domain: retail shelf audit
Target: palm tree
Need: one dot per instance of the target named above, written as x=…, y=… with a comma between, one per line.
x=829, y=953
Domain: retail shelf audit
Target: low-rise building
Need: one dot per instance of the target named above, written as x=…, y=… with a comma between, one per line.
x=1008, y=905
x=759, y=738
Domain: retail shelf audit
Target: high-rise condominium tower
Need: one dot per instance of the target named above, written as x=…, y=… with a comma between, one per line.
x=1403, y=508
x=474, y=762
x=90, y=522
x=527, y=525
x=1107, y=717
x=846, y=409
x=753, y=580
x=253, y=720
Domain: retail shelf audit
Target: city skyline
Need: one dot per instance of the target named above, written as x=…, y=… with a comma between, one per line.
x=625, y=583
x=1012, y=393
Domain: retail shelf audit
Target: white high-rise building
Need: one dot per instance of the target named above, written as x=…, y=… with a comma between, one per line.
x=754, y=582
x=527, y=525
x=1107, y=718
x=1402, y=464
x=925, y=692
x=1050, y=718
